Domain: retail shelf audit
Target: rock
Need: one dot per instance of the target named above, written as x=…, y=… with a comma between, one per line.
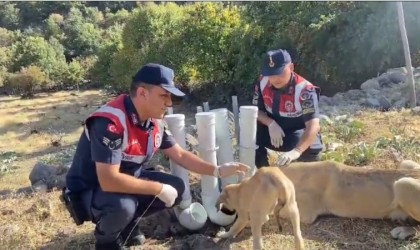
x=50, y=175
x=40, y=172
x=396, y=77
x=338, y=98
x=5, y=194
x=384, y=104
x=9, y=230
x=190, y=139
x=325, y=100
x=358, y=113
x=340, y=117
x=370, y=84
x=326, y=118
x=402, y=103
x=415, y=110
x=333, y=146
x=40, y=187
x=199, y=241
x=354, y=94
x=372, y=103
x=409, y=164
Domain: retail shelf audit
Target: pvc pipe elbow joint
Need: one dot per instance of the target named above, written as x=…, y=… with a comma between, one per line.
x=217, y=216
x=193, y=217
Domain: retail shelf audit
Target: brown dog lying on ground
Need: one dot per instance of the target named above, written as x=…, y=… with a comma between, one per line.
x=255, y=198
x=329, y=187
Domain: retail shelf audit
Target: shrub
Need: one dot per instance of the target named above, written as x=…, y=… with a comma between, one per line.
x=26, y=81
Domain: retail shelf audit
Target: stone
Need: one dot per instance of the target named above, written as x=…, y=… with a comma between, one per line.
x=51, y=176
x=415, y=110
x=40, y=187
x=370, y=84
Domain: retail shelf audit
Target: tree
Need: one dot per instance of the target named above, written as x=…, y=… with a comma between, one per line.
x=407, y=54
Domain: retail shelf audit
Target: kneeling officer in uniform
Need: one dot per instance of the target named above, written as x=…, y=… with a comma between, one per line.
x=288, y=112
x=107, y=183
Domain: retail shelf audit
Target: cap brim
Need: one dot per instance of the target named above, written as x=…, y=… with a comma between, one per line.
x=272, y=71
x=173, y=90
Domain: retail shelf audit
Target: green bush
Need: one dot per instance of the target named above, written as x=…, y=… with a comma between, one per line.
x=37, y=51
x=26, y=81
x=75, y=73
x=214, y=48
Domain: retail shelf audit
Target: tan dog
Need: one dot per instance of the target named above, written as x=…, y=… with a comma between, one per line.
x=329, y=187
x=255, y=198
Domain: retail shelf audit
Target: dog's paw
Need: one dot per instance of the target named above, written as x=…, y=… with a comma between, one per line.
x=223, y=234
x=403, y=233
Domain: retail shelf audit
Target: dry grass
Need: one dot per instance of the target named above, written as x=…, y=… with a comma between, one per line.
x=46, y=127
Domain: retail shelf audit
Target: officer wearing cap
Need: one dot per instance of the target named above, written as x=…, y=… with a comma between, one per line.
x=107, y=183
x=288, y=113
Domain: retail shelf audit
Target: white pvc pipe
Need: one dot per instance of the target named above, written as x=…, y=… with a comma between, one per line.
x=235, y=111
x=209, y=184
x=224, y=143
x=193, y=218
x=248, y=136
x=190, y=215
x=206, y=106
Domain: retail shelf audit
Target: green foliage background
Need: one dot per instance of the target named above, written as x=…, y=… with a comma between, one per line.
x=214, y=48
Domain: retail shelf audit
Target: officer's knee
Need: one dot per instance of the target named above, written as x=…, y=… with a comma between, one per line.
x=117, y=215
x=310, y=156
x=178, y=184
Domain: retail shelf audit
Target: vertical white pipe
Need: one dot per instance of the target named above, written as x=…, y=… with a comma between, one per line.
x=206, y=106
x=235, y=111
x=199, y=109
x=224, y=143
x=176, y=124
x=248, y=136
x=170, y=111
x=190, y=215
x=209, y=184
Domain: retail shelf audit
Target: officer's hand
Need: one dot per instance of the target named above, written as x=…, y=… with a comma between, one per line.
x=231, y=168
x=288, y=157
x=168, y=195
x=276, y=134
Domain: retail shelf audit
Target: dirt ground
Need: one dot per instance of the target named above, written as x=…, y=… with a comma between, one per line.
x=46, y=129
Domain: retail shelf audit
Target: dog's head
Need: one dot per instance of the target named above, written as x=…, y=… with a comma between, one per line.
x=226, y=201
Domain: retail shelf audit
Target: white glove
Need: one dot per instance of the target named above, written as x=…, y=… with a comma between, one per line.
x=288, y=157
x=168, y=195
x=276, y=134
x=230, y=168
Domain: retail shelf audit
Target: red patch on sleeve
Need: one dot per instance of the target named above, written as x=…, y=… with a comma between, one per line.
x=112, y=128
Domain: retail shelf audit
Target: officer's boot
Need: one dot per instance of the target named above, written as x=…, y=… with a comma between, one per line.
x=116, y=245
x=136, y=237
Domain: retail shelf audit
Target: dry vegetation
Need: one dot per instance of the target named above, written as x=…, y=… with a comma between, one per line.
x=47, y=127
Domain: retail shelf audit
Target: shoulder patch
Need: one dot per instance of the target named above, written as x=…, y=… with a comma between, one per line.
x=112, y=128
x=112, y=144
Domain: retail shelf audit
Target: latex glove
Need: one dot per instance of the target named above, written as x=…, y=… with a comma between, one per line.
x=288, y=157
x=168, y=195
x=276, y=134
x=231, y=168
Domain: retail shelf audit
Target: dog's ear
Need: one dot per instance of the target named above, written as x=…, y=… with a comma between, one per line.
x=223, y=198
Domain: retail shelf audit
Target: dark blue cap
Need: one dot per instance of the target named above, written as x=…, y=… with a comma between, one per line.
x=158, y=75
x=274, y=62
